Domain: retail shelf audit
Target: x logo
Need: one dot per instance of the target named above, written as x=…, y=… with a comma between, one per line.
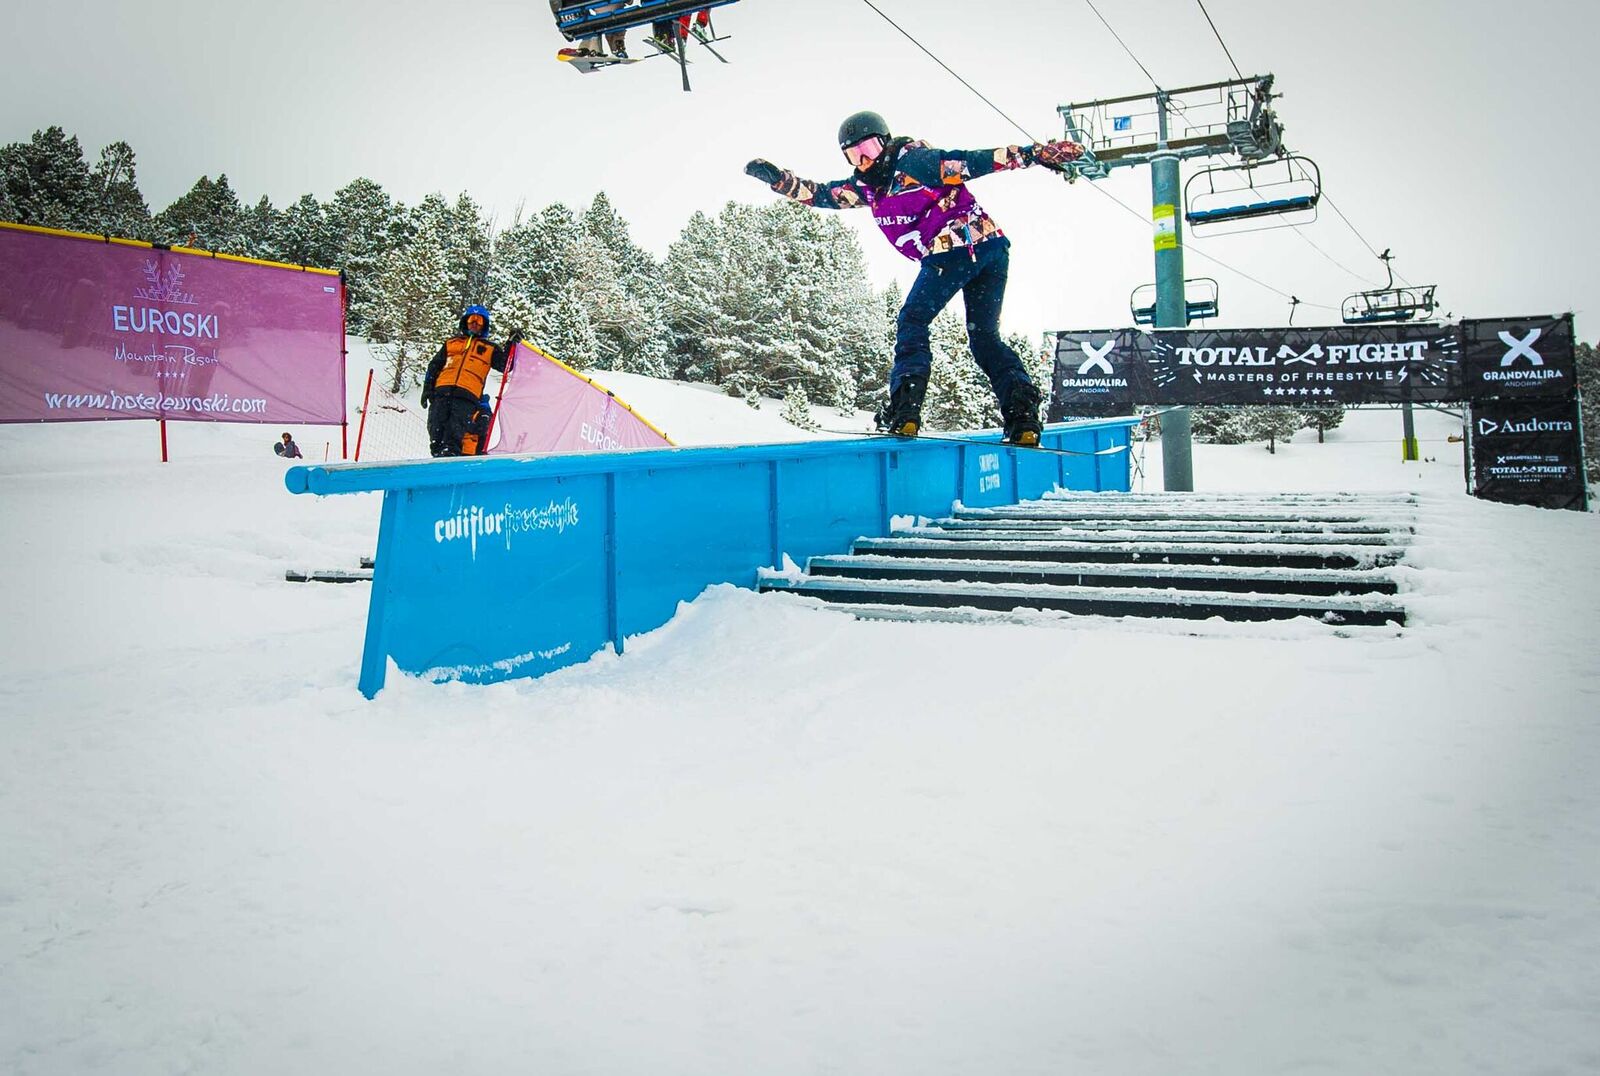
x=1519, y=348
x=1097, y=357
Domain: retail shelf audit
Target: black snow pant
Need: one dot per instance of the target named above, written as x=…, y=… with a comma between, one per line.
x=449, y=415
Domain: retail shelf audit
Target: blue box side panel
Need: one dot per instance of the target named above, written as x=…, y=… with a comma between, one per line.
x=826, y=503
x=1112, y=471
x=501, y=580
x=923, y=483
x=988, y=475
x=680, y=531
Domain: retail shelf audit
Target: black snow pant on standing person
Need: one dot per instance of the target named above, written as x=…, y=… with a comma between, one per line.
x=449, y=415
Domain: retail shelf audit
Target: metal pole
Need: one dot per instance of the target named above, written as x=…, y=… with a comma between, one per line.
x=1177, y=463
x=1409, y=449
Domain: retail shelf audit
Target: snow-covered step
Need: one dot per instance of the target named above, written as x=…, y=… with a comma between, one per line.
x=1276, y=555
x=1091, y=601
x=1002, y=532
x=1174, y=526
x=1329, y=514
x=1145, y=575
x=1231, y=498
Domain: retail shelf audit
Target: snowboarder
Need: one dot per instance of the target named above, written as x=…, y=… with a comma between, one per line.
x=455, y=380
x=287, y=448
x=920, y=199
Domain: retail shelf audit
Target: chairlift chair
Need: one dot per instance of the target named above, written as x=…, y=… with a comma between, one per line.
x=1270, y=194
x=579, y=20
x=1199, y=301
x=1389, y=304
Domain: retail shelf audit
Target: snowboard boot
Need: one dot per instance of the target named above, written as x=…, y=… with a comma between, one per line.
x=904, y=415
x=1021, y=413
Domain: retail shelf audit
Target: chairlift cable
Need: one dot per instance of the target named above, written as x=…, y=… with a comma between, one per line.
x=1124, y=44
x=1359, y=236
x=1221, y=42
x=948, y=68
x=1297, y=228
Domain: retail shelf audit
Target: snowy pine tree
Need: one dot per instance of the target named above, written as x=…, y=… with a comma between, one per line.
x=626, y=303
x=47, y=181
x=1589, y=389
x=1321, y=417
x=209, y=217
x=261, y=226
x=1272, y=423
x=797, y=409
x=959, y=394
x=304, y=236
x=568, y=334
x=414, y=300
x=363, y=226
x=119, y=208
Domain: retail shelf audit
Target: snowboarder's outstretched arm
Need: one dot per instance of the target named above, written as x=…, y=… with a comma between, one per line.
x=839, y=194
x=948, y=167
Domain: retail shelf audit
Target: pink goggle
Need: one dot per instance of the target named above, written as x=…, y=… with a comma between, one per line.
x=867, y=150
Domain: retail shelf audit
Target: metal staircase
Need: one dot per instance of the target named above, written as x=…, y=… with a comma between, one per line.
x=1191, y=556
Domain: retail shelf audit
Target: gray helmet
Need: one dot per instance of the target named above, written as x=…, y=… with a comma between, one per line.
x=862, y=125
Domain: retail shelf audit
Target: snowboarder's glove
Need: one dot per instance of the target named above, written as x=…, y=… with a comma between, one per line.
x=427, y=395
x=765, y=171
x=1055, y=154
x=513, y=340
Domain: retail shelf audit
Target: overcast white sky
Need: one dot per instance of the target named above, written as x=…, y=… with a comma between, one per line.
x=1458, y=132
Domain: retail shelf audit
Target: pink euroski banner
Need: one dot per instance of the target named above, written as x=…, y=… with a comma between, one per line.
x=548, y=406
x=96, y=328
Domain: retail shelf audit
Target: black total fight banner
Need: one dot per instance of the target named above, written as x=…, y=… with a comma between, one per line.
x=1114, y=371
x=1527, y=452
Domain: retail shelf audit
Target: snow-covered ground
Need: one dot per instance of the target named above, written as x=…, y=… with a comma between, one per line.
x=771, y=838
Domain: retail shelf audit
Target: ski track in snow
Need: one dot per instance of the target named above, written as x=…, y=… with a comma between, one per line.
x=773, y=838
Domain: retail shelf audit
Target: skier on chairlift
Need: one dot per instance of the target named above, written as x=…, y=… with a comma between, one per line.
x=920, y=200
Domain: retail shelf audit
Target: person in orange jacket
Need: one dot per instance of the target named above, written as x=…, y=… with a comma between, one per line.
x=456, y=378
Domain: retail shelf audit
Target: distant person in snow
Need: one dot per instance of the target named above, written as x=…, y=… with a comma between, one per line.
x=454, y=383
x=920, y=199
x=287, y=448
x=590, y=46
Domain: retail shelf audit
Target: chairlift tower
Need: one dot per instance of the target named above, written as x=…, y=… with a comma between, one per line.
x=1233, y=119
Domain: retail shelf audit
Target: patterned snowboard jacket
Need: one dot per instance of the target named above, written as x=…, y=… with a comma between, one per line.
x=926, y=208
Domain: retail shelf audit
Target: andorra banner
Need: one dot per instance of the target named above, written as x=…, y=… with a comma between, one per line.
x=1527, y=452
x=96, y=328
x=548, y=406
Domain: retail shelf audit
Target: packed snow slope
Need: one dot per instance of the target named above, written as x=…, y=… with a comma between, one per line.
x=771, y=838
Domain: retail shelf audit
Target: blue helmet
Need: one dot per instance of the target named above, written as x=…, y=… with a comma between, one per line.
x=481, y=311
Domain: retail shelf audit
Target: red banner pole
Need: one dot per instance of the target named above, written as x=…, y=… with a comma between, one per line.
x=511, y=364
x=344, y=358
x=366, y=399
x=163, y=424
